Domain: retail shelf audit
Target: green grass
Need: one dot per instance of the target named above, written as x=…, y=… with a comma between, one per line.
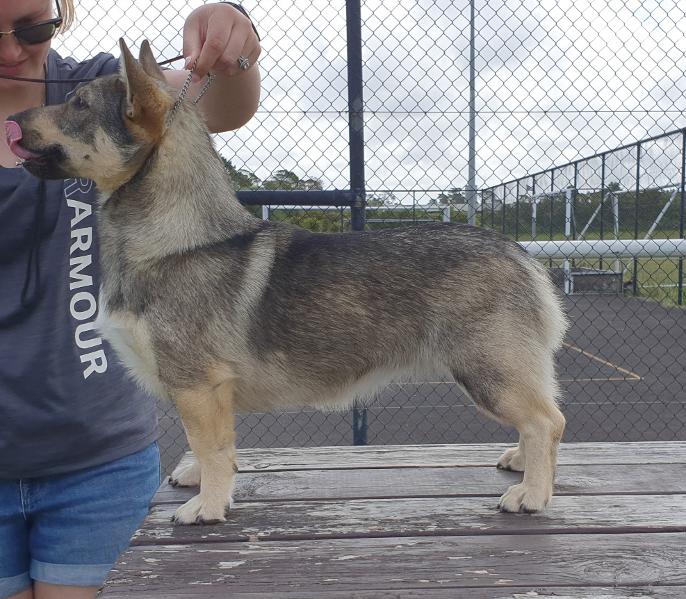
x=654, y=276
x=657, y=278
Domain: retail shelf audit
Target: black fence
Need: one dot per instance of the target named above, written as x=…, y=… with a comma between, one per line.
x=377, y=114
x=636, y=191
x=622, y=365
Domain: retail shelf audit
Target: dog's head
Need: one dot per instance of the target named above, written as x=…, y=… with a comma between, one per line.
x=104, y=132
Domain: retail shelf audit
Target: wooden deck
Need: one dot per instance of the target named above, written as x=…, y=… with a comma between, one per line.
x=420, y=521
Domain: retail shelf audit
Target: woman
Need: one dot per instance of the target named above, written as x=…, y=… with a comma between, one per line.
x=78, y=458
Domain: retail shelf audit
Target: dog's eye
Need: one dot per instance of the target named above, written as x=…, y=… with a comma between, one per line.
x=79, y=103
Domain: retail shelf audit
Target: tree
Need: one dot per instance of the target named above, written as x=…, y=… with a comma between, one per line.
x=289, y=181
x=282, y=179
x=241, y=178
x=385, y=198
x=453, y=198
x=310, y=184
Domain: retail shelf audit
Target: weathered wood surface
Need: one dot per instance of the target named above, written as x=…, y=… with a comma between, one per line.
x=481, y=481
x=410, y=522
x=348, y=564
x=478, y=454
x=440, y=516
x=675, y=592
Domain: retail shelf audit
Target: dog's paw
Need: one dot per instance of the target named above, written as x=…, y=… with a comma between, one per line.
x=523, y=498
x=512, y=459
x=186, y=475
x=199, y=511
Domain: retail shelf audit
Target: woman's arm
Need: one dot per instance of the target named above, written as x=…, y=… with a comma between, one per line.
x=216, y=35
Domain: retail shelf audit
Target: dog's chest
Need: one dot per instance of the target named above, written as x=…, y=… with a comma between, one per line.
x=130, y=338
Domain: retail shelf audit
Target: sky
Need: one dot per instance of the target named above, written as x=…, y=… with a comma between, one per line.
x=556, y=80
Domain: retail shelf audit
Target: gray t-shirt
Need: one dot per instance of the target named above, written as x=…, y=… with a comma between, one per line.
x=66, y=402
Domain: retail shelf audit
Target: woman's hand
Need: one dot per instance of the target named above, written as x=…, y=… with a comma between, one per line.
x=217, y=35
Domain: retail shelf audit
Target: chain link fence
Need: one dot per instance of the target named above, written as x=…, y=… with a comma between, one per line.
x=549, y=121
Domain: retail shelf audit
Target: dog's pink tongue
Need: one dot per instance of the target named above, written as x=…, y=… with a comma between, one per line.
x=14, y=135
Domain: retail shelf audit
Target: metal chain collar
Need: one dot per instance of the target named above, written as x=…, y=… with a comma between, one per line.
x=184, y=90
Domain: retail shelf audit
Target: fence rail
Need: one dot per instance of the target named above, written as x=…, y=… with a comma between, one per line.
x=611, y=248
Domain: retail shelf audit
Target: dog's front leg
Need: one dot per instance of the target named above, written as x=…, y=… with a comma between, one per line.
x=207, y=415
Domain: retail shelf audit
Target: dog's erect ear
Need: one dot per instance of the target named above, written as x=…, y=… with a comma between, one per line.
x=132, y=74
x=147, y=59
x=147, y=103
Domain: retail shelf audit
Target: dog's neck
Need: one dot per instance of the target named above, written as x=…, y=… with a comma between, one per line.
x=181, y=197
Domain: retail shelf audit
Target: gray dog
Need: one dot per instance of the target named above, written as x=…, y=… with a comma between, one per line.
x=222, y=312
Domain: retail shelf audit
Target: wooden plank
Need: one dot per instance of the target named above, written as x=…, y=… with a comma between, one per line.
x=323, y=566
x=643, y=592
x=380, y=483
x=416, y=517
x=350, y=457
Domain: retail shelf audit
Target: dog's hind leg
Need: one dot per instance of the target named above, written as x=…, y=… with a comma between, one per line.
x=540, y=424
x=207, y=415
x=523, y=398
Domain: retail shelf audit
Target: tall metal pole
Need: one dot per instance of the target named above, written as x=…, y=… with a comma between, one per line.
x=682, y=214
x=353, y=14
x=471, y=175
x=634, y=276
x=602, y=202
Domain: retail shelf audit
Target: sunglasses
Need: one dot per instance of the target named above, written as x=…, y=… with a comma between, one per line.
x=37, y=33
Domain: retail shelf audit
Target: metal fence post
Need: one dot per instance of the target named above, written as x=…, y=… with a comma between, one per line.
x=471, y=174
x=502, y=224
x=574, y=197
x=680, y=289
x=566, y=264
x=517, y=213
x=634, y=275
x=552, y=205
x=534, y=208
x=492, y=192
x=576, y=193
x=602, y=201
x=353, y=15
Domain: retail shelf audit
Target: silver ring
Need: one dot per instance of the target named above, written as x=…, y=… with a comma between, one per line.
x=244, y=63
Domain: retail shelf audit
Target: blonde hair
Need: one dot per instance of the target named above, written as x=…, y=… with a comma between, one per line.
x=67, y=8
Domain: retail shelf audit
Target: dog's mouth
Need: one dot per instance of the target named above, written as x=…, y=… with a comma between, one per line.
x=14, y=136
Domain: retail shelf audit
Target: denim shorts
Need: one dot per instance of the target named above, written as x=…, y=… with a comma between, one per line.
x=70, y=528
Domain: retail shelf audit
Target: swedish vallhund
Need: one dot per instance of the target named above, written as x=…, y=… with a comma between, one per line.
x=222, y=312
